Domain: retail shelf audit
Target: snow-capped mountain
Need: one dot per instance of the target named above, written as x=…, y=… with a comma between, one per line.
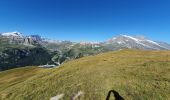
x=19, y=38
x=14, y=44
x=138, y=42
x=14, y=34
x=115, y=43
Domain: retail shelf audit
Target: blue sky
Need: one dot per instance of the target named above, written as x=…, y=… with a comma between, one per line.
x=87, y=20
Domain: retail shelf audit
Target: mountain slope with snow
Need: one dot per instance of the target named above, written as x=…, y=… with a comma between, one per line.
x=138, y=43
x=15, y=34
x=116, y=43
x=17, y=49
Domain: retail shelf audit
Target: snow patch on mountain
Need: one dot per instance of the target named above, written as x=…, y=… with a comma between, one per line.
x=152, y=42
x=15, y=34
x=138, y=41
x=135, y=39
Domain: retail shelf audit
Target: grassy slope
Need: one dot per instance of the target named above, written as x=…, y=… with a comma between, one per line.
x=15, y=76
x=138, y=75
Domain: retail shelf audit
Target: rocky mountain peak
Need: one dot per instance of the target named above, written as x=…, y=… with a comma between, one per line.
x=12, y=34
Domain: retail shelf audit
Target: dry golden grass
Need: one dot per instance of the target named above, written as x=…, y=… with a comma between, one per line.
x=135, y=74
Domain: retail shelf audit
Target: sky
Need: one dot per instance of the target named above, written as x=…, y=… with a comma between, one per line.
x=87, y=20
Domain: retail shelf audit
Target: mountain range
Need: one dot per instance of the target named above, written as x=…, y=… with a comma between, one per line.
x=123, y=41
x=18, y=50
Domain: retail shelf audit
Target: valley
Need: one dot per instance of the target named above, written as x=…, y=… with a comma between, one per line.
x=18, y=50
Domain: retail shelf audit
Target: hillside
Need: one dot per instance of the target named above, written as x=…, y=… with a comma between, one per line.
x=13, y=57
x=135, y=74
x=18, y=50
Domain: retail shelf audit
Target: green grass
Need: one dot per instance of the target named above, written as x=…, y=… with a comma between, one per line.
x=135, y=74
x=15, y=76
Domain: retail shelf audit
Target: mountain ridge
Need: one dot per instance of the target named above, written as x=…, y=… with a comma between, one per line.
x=122, y=39
x=16, y=50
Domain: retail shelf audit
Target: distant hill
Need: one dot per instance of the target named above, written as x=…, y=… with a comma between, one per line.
x=134, y=74
x=17, y=50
